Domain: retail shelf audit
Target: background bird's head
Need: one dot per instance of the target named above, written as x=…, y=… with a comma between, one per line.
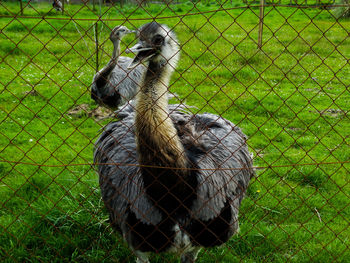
x=157, y=43
x=119, y=32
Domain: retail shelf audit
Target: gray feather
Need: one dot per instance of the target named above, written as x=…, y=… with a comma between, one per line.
x=222, y=145
x=122, y=186
x=122, y=84
x=226, y=166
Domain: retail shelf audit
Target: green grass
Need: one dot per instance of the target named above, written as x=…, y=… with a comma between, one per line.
x=291, y=98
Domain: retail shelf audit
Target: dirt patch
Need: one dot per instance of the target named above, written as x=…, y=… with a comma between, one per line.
x=330, y=112
x=259, y=153
x=295, y=129
x=98, y=113
x=313, y=89
x=32, y=92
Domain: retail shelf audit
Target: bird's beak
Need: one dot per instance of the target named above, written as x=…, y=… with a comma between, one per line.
x=137, y=48
x=142, y=54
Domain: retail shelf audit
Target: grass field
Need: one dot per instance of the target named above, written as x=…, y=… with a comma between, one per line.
x=291, y=98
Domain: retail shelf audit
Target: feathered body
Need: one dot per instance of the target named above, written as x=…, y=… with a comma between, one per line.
x=185, y=175
x=115, y=84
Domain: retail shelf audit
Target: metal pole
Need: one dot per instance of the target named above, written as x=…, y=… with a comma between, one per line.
x=21, y=6
x=261, y=23
x=96, y=44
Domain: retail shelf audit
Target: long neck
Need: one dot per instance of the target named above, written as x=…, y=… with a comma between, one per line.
x=116, y=52
x=157, y=140
x=106, y=71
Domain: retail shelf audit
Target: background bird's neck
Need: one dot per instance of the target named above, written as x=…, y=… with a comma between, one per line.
x=157, y=140
x=116, y=52
x=103, y=74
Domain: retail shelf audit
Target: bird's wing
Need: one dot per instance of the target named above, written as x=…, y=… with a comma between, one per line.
x=126, y=81
x=119, y=84
x=222, y=159
x=120, y=180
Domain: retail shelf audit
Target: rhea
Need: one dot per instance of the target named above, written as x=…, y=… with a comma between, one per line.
x=171, y=181
x=57, y=5
x=115, y=84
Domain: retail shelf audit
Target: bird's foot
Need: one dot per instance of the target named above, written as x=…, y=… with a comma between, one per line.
x=191, y=256
x=141, y=257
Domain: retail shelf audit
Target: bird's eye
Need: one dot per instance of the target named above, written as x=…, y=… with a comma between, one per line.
x=158, y=40
x=122, y=30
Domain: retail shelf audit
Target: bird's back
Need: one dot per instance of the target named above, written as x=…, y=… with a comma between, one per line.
x=126, y=81
x=121, y=85
x=224, y=171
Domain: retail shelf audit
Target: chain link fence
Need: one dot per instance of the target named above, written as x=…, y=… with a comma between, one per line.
x=278, y=70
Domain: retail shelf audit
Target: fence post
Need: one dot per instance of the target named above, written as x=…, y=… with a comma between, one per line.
x=96, y=45
x=21, y=6
x=100, y=5
x=261, y=23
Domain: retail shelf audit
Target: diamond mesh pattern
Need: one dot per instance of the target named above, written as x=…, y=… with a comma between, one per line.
x=289, y=94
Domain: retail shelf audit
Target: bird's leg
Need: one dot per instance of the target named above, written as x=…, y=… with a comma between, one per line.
x=191, y=256
x=141, y=257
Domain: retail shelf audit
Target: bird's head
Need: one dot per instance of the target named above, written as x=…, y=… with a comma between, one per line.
x=157, y=43
x=119, y=32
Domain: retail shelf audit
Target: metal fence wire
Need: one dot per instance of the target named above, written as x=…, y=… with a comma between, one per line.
x=278, y=70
